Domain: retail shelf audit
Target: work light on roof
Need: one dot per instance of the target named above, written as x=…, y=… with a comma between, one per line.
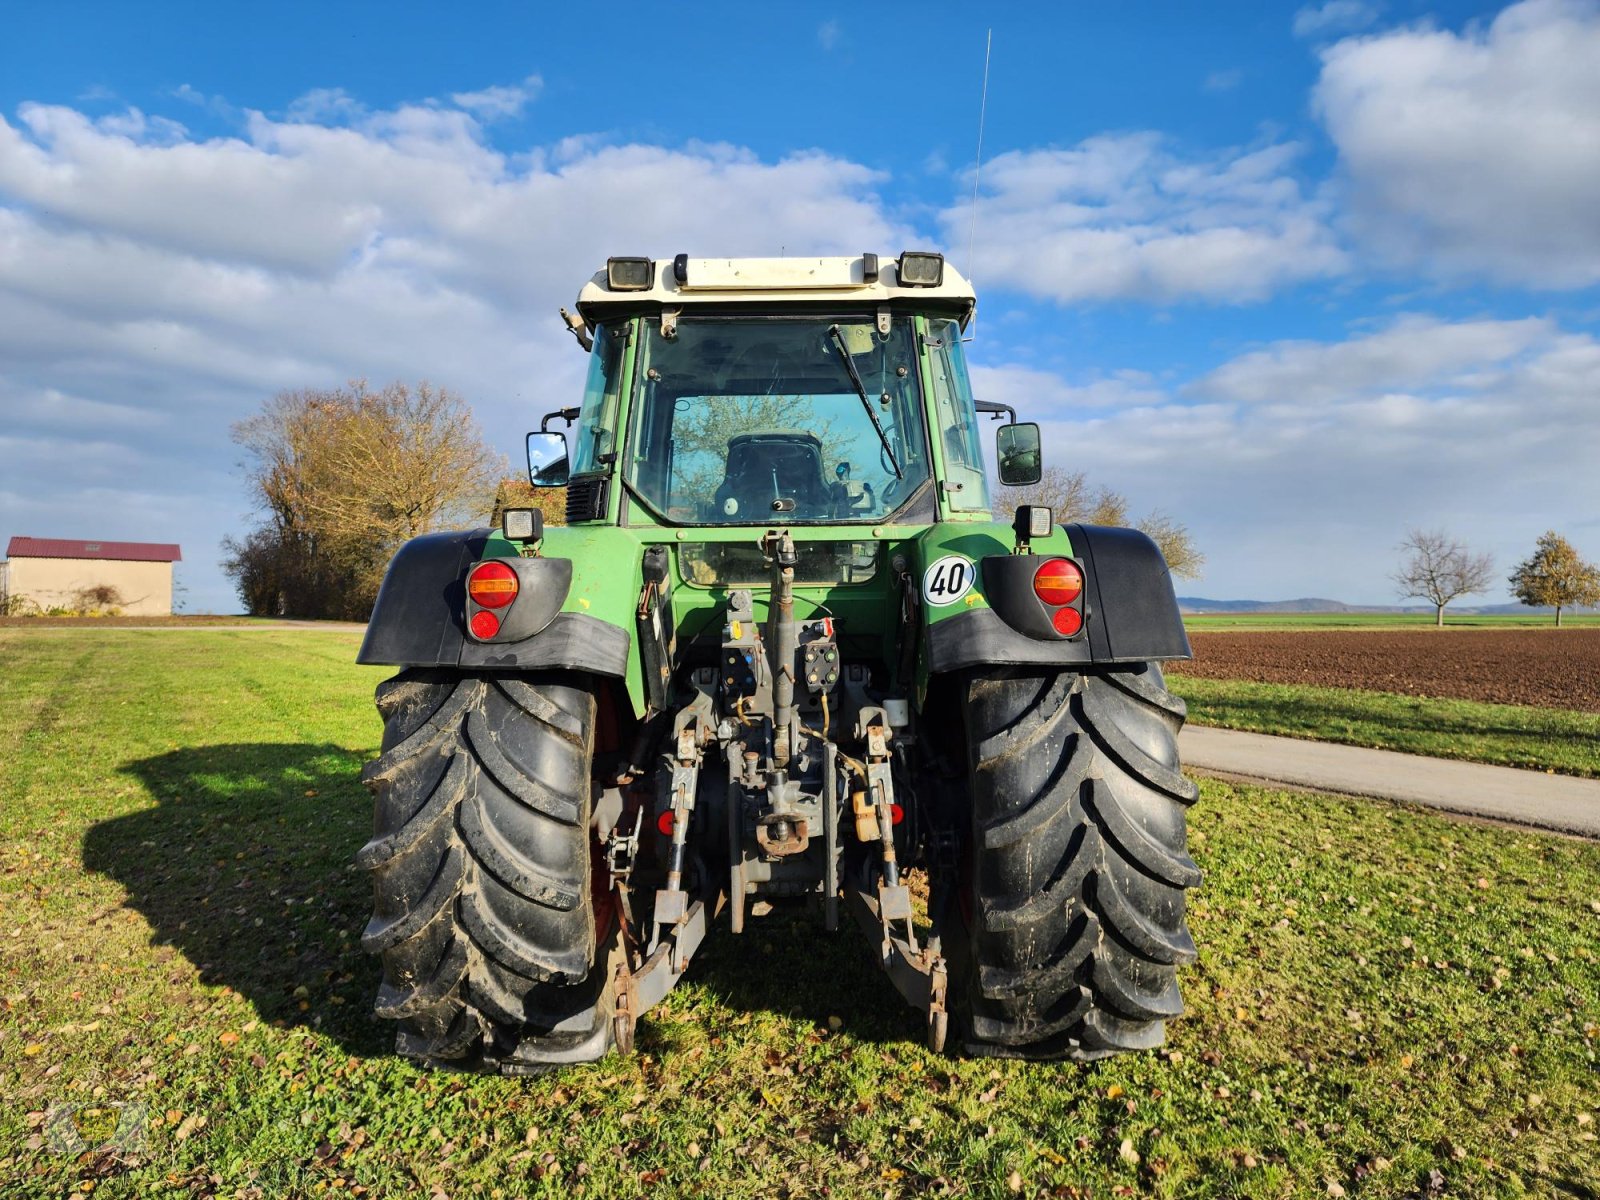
x=919, y=269
x=629, y=274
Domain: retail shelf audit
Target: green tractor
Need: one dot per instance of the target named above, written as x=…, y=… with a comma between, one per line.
x=781, y=654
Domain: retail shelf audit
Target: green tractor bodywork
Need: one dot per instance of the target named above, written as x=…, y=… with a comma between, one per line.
x=785, y=589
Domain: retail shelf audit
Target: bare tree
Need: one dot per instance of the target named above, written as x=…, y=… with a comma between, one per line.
x=1071, y=499
x=1438, y=569
x=1556, y=577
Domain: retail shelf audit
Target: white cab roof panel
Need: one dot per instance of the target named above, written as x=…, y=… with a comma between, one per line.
x=772, y=280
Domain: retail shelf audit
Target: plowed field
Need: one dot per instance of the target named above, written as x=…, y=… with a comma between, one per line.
x=1549, y=668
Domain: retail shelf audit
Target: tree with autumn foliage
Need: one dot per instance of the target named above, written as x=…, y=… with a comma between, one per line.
x=1555, y=577
x=343, y=477
x=519, y=493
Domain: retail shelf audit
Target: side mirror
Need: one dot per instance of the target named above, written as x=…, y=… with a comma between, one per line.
x=547, y=459
x=1018, y=453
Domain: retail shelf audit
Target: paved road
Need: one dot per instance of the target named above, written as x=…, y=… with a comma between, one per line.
x=1560, y=802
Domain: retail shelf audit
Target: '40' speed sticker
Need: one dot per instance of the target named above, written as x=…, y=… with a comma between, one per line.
x=948, y=579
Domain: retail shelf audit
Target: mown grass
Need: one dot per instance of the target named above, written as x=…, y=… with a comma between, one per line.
x=1510, y=735
x=1386, y=1002
x=1203, y=621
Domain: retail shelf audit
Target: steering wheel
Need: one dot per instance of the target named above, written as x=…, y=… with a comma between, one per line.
x=890, y=491
x=883, y=450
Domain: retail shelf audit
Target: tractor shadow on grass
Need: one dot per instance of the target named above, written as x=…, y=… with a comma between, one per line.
x=244, y=867
x=785, y=963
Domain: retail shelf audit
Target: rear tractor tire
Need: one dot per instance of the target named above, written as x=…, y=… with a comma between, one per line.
x=1071, y=922
x=480, y=863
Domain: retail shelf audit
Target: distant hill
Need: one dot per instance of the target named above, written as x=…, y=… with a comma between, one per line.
x=1314, y=604
x=1306, y=604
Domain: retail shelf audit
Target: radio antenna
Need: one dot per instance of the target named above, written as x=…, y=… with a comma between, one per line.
x=977, y=171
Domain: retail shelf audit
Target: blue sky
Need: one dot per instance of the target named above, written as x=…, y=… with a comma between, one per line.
x=1300, y=276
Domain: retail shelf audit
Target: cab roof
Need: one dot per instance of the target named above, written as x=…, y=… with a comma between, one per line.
x=684, y=283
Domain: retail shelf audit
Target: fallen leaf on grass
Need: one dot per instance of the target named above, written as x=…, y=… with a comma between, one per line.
x=229, y=1038
x=192, y=1125
x=1127, y=1153
x=1113, y=1091
x=1014, y=1181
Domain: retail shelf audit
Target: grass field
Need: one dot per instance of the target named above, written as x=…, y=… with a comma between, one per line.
x=1509, y=735
x=1386, y=1004
x=1203, y=621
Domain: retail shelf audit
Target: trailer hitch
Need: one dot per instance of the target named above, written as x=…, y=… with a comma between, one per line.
x=919, y=974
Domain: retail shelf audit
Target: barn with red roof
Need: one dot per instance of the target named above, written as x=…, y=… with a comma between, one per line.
x=41, y=574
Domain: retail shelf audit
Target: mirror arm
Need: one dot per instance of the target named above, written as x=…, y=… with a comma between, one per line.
x=579, y=328
x=569, y=415
x=996, y=408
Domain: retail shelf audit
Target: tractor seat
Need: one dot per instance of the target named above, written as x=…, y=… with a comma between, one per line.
x=793, y=457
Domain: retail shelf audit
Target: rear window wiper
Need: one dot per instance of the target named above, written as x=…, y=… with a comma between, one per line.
x=861, y=390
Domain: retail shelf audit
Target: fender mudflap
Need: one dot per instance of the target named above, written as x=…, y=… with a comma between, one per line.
x=575, y=641
x=417, y=621
x=1130, y=592
x=978, y=637
x=1131, y=614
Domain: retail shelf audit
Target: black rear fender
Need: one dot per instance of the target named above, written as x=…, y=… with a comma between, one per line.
x=420, y=617
x=1130, y=610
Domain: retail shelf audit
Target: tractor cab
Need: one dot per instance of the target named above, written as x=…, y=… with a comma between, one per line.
x=725, y=392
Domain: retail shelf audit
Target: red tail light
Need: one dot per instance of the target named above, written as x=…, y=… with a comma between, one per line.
x=484, y=625
x=896, y=814
x=1067, y=621
x=665, y=822
x=1058, y=581
x=492, y=584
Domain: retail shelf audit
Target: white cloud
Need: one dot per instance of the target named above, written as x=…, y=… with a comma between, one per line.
x=1334, y=17
x=1223, y=81
x=497, y=102
x=828, y=35
x=1475, y=153
x=156, y=286
x=1412, y=352
x=326, y=106
x=1123, y=217
x=1029, y=389
x=1299, y=466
